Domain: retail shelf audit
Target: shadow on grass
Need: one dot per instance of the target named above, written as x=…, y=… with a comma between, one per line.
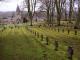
x=1, y=49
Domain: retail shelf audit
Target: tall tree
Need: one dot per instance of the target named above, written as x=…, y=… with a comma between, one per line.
x=58, y=8
x=78, y=15
x=48, y=6
x=65, y=10
x=31, y=5
x=71, y=9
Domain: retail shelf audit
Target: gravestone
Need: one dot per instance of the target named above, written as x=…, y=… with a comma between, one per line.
x=35, y=33
x=75, y=32
x=41, y=37
x=47, y=40
x=70, y=52
x=56, y=45
x=39, y=26
x=68, y=31
x=75, y=27
x=38, y=35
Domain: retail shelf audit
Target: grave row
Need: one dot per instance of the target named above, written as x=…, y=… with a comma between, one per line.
x=63, y=30
x=70, y=49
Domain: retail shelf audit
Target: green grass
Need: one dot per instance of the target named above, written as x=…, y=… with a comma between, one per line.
x=21, y=44
x=64, y=39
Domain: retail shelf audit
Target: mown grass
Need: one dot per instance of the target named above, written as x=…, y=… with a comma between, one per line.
x=20, y=44
x=64, y=39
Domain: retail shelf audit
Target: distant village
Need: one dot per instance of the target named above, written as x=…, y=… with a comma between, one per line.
x=12, y=19
x=18, y=17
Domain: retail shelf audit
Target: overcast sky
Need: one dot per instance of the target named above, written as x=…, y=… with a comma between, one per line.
x=9, y=5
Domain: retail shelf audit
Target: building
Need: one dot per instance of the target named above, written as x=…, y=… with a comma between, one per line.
x=18, y=17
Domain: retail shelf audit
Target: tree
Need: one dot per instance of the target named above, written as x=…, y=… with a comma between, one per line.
x=78, y=15
x=65, y=10
x=49, y=7
x=31, y=5
x=58, y=8
x=71, y=9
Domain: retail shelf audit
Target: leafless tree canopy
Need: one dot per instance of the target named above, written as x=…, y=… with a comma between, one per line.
x=55, y=9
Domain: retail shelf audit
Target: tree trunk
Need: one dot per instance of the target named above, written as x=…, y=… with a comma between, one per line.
x=58, y=7
x=78, y=18
x=70, y=11
x=48, y=15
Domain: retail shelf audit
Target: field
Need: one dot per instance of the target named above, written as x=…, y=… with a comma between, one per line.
x=21, y=43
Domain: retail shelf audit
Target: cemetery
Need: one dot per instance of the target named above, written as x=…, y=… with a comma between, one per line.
x=40, y=30
x=34, y=43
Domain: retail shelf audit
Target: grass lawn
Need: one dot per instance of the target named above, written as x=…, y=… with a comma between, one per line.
x=64, y=39
x=20, y=44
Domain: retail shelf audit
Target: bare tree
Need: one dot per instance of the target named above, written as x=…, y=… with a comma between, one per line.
x=78, y=15
x=31, y=5
x=52, y=7
x=65, y=10
x=49, y=7
x=58, y=8
x=71, y=9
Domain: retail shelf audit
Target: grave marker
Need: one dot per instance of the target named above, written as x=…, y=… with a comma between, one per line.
x=70, y=52
x=38, y=35
x=41, y=37
x=75, y=32
x=56, y=45
x=47, y=40
x=68, y=31
x=35, y=33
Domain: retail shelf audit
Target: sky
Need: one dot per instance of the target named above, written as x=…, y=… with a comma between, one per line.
x=9, y=5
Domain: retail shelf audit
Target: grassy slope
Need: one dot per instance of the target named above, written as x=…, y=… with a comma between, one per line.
x=20, y=44
x=63, y=38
